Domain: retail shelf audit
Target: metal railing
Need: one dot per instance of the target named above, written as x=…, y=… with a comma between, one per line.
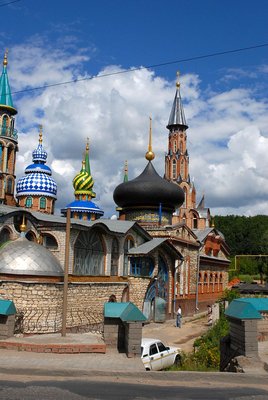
x=49, y=320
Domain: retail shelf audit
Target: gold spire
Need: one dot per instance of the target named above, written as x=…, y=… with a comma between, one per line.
x=126, y=167
x=87, y=144
x=5, y=58
x=150, y=154
x=23, y=225
x=178, y=80
x=40, y=134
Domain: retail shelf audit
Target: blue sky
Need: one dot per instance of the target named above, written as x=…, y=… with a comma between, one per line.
x=225, y=97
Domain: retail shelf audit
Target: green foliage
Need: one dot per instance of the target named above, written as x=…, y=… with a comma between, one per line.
x=206, y=356
x=229, y=295
x=244, y=235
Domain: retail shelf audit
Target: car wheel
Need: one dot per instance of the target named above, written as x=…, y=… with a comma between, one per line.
x=177, y=360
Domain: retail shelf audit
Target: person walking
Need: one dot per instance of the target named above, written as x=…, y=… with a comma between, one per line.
x=179, y=318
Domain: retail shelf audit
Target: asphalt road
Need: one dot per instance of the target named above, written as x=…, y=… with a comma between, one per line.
x=76, y=389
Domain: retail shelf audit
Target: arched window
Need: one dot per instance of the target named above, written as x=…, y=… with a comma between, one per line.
x=182, y=169
x=43, y=203
x=175, y=146
x=4, y=131
x=185, y=197
x=29, y=202
x=127, y=245
x=174, y=169
x=9, y=186
x=115, y=257
x=181, y=146
x=4, y=236
x=1, y=157
x=31, y=236
x=195, y=221
x=89, y=254
x=50, y=242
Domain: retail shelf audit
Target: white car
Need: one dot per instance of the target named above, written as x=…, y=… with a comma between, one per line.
x=156, y=356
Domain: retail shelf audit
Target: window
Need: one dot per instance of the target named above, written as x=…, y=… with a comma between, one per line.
x=174, y=169
x=89, y=255
x=161, y=347
x=141, y=266
x=43, y=203
x=115, y=257
x=153, y=349
x=4, y=235
x=4, y=125
x=29, y=202
x=9, y=186
x=127, y=245
x=175, y=146
x=50, y=242
x=182, y=169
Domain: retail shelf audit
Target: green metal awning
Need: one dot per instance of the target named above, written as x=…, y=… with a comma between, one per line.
x=127, y=312
x=7, y=307
x=246, y=308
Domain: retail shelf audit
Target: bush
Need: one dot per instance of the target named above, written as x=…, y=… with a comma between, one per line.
x=206, y=354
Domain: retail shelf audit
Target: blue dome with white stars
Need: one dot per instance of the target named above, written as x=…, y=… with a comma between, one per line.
x=38, y=180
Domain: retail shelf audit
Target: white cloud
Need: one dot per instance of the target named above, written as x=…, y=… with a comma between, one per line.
x=226, y=137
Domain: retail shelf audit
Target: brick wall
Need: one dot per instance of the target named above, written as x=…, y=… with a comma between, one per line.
x=40, y=304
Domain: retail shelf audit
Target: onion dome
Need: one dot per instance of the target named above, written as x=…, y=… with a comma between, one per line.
x=148, y=189
x=5, y=92
x=22, y=257
x=83, y=182
x=82, y=207
x=38, y=180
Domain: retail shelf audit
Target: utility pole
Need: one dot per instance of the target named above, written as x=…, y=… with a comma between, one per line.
x=66, y=271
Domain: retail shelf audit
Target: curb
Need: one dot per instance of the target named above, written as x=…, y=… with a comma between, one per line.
x=54, y=348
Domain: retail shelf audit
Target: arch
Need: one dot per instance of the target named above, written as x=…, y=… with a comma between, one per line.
x=28, y=202
x=42, y=203
x=128, y=244
x=114, y=257
x=194, y=220
x=31, y=236
x=89, y=254
x=5, y=235
x=125, y=294
x=49, y=241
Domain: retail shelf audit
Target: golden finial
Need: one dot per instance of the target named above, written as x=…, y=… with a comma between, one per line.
x=87, y=144
x=178, y=80
x=23, y=225
x=150, y=154
x=5, y=58
x=126, y=167
x=40, y=134
x=83, y=164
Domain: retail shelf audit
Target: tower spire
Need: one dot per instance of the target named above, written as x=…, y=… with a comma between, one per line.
x=5, y=92
x=87, y=164
x=150, y=154
x=177, y=117
x=126, y=172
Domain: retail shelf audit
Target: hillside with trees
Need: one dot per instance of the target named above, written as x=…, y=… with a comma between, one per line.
x=246, y=235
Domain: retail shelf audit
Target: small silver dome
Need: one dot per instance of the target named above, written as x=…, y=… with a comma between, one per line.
x=22, y=257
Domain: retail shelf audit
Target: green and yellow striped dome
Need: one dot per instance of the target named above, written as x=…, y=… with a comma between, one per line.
x=83, y=182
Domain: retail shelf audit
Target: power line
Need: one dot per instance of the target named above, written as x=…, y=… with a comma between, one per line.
x=182, y=60
x=10, y=2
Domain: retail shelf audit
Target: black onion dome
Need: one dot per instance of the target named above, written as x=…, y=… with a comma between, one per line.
x=148, y=189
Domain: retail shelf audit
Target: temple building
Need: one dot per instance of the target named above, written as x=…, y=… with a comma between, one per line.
x=177, y=168
x=83, y=207
x=143, y=256
x=37, y=190
x=8, y=140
